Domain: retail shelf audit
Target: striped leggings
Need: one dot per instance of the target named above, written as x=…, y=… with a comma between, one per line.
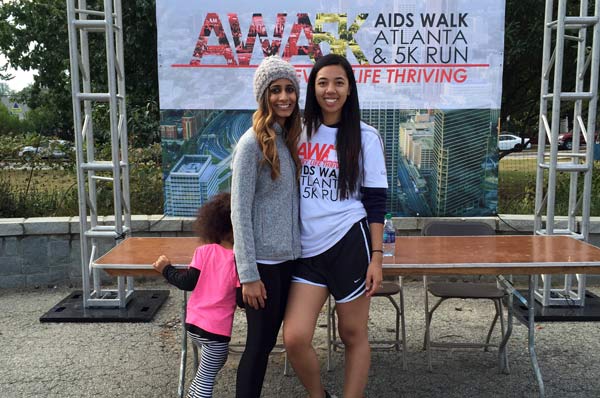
x=213, y=355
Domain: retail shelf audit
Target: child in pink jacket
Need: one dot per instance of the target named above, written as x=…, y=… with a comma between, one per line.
x=212, y=279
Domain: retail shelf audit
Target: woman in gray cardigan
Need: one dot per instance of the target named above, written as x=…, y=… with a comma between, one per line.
x=264, y=214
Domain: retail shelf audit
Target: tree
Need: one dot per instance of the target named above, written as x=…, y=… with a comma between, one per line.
x=4, y=89
x=4, y=75
x=521, y=82
x=9, y=123
x=33, y=35
x=522, y=62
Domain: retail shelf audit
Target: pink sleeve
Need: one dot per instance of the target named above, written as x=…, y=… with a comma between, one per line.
x=198, y=260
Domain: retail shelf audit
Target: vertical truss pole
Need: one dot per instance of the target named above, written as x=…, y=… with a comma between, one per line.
x=591, y=122
x=122, y=123
x=576, y=161
x=544, y=131
x=577, y=110
x=80, y=128
x=555, y=123
x=113, y=112
x=83, y=21
x=88, y=137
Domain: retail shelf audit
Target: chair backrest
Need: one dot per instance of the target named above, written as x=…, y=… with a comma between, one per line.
x=457, y=228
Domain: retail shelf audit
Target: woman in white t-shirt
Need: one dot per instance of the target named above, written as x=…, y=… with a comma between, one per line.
x=343, y=187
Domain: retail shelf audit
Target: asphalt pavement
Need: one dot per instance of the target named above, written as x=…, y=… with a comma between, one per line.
x=142, y=359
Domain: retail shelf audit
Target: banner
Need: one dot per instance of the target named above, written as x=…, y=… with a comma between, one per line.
x=421, y=54
x=429, y=75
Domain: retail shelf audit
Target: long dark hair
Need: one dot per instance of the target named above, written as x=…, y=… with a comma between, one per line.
x=348, y=138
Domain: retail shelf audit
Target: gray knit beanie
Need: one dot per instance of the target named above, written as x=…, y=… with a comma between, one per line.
x=271, y=69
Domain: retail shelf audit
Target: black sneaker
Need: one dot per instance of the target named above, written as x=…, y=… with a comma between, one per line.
x=328, y=395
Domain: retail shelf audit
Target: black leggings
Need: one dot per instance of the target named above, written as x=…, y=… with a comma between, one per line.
x=263, y=328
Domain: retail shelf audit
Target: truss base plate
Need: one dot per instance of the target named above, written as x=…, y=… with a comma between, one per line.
x=142, y=307
x=590, y=312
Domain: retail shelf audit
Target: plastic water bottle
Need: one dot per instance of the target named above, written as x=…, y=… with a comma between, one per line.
x=389, y=236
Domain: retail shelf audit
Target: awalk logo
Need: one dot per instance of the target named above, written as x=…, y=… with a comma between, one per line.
x=244, y=46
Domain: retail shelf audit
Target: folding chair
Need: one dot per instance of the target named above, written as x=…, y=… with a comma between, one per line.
x=388, y=289
x=461, y=290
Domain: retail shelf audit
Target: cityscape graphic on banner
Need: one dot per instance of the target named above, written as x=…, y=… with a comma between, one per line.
x=440, y=163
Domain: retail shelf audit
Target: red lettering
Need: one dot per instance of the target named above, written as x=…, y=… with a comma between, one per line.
x=302, y=151
x=428, y=76
x=212, y=23
x=315, y=151
x=411, y=75
x=326, y=154
x=292, y=48
x=460, y=75
x=244, y=48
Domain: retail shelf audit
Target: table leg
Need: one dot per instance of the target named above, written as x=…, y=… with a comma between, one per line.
x=531, y=336
x=502, y=347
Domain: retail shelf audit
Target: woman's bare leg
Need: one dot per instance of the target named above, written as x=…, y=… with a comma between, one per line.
x=303, y=307
x=353, y=328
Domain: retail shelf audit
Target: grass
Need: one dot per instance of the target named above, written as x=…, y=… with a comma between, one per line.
x=53, y=191
x=516, y=185
x=50, y=179
x=517, y=182
x=525, y=164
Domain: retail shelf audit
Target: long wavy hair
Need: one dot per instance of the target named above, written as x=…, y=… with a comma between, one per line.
x=348, y=139
x=262, y=123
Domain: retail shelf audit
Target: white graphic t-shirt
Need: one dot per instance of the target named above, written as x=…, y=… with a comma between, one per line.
x=325, y=218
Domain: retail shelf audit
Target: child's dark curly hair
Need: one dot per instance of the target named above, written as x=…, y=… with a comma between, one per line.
x=213, y=223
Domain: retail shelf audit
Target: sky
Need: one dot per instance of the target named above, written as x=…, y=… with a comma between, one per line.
x=21, y=78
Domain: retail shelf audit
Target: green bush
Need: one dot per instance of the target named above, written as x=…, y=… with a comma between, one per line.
x=34, y=202
x=52, y=200
x=57, y=194
x=9, y=123
x=516, y=191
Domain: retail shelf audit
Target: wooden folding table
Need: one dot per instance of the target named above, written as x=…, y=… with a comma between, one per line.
x=419, y=255
x=496, y=255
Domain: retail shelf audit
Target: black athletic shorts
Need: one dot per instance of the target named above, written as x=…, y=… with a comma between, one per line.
x=343, y=268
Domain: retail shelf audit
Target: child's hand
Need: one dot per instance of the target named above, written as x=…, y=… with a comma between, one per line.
x=161, y=263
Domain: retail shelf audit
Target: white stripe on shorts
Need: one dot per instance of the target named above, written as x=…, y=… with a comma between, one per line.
x=366, y=241
x=297, y=279
x=359, y=291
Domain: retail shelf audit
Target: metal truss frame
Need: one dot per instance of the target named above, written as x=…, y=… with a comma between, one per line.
x=95, y=229
x=559, y=29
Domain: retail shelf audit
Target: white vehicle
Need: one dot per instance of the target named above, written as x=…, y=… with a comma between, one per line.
x=507, y=142
x=56, y=149
x=28, y=151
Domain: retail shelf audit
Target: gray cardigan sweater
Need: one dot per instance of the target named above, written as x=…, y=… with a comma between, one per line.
x=264, y=212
